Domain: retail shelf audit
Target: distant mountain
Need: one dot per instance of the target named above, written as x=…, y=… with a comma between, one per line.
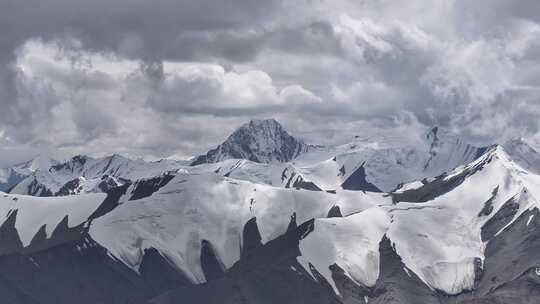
x=384, y=162
x=261, y=141
x=262, y=151
x=468, y=236
x=11, y=176
x=84, y=174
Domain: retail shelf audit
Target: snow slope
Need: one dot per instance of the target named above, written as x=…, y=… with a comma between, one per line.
x=34, y=212
x=388, y=161
x=196, y=207
x=440, y=239
x=351, y=241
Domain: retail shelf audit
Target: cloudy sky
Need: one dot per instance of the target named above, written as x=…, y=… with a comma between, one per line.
x=174, y=77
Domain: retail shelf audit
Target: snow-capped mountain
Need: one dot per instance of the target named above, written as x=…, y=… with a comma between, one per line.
x=11, y=176
x=261, y=141
x=84, y=174
x=262, y=151
x=376, y=163
x=383, y=163
x=470, y=235
x=377, y=220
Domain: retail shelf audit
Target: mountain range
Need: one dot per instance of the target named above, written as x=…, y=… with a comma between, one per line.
x=267, y=218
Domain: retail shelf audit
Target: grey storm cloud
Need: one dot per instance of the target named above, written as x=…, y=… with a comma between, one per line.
x=174, y=77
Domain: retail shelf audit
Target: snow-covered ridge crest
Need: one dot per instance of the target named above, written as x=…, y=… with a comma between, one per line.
x=85, y=174
x=206, y=206
x=443, y=239
x=388, y=161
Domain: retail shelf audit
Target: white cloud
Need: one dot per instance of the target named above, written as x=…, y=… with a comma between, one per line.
x=97, y=103
x=322, y=68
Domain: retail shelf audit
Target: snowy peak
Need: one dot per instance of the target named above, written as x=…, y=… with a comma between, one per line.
x=261, y=141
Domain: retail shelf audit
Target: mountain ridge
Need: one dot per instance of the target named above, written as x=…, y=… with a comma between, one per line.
x=433, y=240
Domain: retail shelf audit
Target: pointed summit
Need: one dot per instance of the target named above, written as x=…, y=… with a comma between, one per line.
x=261, y=141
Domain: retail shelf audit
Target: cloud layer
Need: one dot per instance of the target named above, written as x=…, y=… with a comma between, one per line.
x=175, y=77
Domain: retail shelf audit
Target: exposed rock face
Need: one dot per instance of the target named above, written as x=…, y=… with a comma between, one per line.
x=261, y=141
x=511, y=268
x=357, y=181
x=269, y=274
x=396, y=284
x=145, y=187
x=442, y=183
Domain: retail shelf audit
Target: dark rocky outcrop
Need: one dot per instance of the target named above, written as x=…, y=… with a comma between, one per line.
x=357, y=181
x=335, y=211
x=270, y=274
x=441, y=184
x=70, y=188
x=251, y=238
x=297, y=182
x=395, y=284
x=146, y=187
x=503, y=216
x=211, y=263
